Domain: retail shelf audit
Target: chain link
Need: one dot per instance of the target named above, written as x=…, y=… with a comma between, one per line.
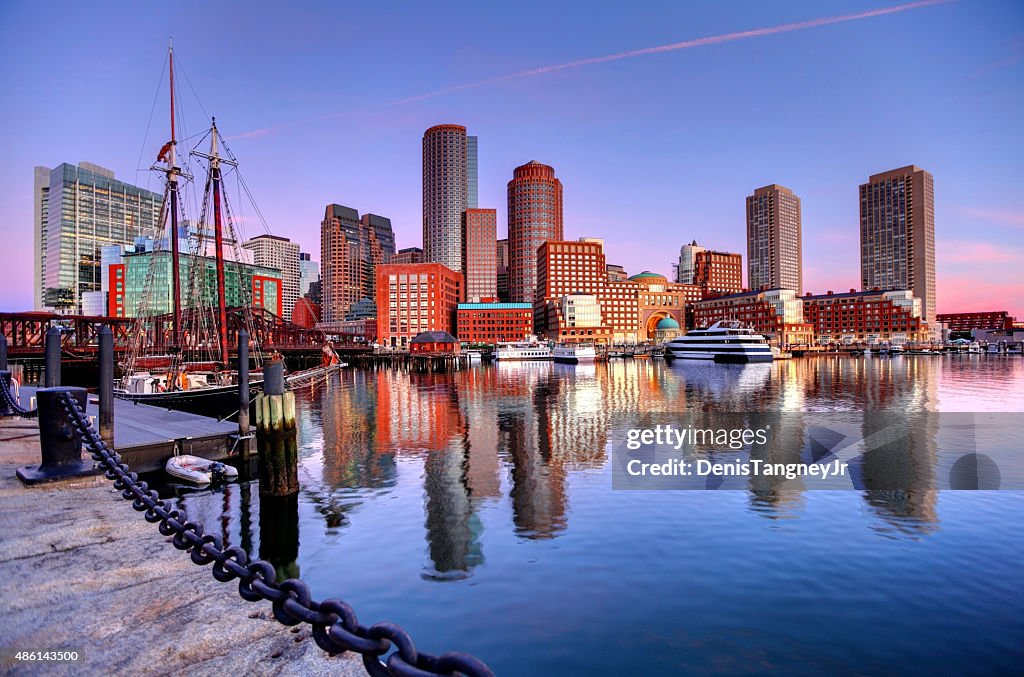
x=335, y=626
x=16, y=406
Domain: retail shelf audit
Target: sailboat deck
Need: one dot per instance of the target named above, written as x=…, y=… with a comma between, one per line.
x=146, y=436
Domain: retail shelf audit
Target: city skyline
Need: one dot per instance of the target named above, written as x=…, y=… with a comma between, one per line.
x=668, y=168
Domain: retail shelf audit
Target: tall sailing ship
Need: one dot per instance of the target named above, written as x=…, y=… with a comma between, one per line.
x=195, y=373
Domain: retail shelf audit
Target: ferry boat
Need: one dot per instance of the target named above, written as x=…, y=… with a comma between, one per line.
x=724, y=341
x=574, y=354
x=522, y=350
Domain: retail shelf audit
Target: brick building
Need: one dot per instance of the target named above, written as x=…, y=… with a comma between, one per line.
x=967, y=322
x=408, y=255
x=630, y=309
x=718, y=273
x=413, y=298
x=480, y=253
x=534, y=216
x=777, y=314
x=866, y=317
x=494, y=322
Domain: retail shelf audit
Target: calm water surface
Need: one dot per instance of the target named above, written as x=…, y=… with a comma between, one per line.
x=475, y=509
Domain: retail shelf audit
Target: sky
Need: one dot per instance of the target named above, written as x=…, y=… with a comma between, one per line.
x=659, y=118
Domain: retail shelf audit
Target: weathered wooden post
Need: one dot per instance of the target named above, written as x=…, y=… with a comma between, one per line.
x=243, y=392
x=60, y=445
x=106, y=389
x=275, y=407
x=52, y=357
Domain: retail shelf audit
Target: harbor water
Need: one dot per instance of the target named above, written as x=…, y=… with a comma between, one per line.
x=476, y=510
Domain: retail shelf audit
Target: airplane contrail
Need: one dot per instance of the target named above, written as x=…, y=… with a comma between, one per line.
x=699, y=42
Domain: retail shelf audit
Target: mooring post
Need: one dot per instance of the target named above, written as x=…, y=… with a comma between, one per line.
x=243, y=392
x=52, y=357
x=60, y=445
x=275, y=406
x=106, y=389
x=3, y=352
x=5, y=383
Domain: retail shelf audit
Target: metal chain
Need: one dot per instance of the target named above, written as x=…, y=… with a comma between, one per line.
x=16, y=406
x=335, y=627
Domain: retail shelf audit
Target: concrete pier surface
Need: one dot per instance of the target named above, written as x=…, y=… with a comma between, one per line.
x=81, y=570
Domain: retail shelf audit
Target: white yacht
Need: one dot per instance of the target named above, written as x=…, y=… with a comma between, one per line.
x=572, y=354
x=522, y=350
x=724, y=341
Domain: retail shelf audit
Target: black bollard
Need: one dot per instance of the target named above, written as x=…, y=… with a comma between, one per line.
x=3, y=352
x=52, y=357
x=5, y=383
x=243, y=392
x=59, y=443
x=273, y=377
x=106, y=388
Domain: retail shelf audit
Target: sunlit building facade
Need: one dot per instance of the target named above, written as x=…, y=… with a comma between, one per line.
x=480, y=253
x=777, y=314
x=534, y=217
x=445, y=193
x=774, y=240
x=414, y=298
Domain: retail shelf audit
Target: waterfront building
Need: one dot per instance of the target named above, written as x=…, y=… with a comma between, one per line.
x=272, y=251
x=445, y=193
x=687, y=266
x=309, y=272
x=480, y=253
x=501, y=266
x=630, y=309
x=774, y=240
x=416, y=297
x=717, y=273
x=494, y=322
x=777, y=314
x=893, y=316
x=616, y=273
x=351, y=247
x=581, y=320
x=534, y=217
x=245, y=285
x=897, y=234
x=968, y=322
x=408, y=255
x=77, y=211
x=434, y=342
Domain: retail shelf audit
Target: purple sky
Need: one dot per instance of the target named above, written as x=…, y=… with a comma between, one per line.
x=658, y=118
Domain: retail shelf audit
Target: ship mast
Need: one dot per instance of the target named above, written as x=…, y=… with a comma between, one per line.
x=215, y=179
x=173, y=171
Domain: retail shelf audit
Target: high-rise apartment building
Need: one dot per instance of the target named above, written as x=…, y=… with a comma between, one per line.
x=897, y=234
x=502, y=270
x=774, y=240
x=79, y=210
x=480, y=253
x=350, y=249
x=687, y=262
x=534, y=217
x=717, y=273
x=445, y=193
x=272, y=251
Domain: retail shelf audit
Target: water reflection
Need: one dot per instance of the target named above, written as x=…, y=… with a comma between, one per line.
x=520, y=438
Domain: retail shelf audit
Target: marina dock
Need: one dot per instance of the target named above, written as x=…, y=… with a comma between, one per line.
x=146, y=436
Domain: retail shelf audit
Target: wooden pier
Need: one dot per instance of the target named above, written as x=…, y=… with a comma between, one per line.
x=147, y=436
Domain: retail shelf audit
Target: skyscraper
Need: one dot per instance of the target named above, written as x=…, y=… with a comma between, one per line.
x=897, y=234
x=534, y=217
x=309, y=272
x=774, y=241
x=271, y=251
x=350, y=249
x=480, y=253
x=472, y=197
x=79, y=210
x=445, y=193
x=687, y=262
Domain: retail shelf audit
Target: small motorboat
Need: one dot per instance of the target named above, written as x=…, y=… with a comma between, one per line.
x=200, y=471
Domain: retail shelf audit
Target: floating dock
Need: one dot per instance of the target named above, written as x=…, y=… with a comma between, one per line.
x=146, y=436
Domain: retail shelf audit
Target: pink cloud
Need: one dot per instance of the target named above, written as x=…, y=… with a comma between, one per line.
x=1004, y=216
x=975, y=294
x=958, y=251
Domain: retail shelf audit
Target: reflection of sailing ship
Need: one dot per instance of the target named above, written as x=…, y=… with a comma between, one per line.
x=195, y=375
